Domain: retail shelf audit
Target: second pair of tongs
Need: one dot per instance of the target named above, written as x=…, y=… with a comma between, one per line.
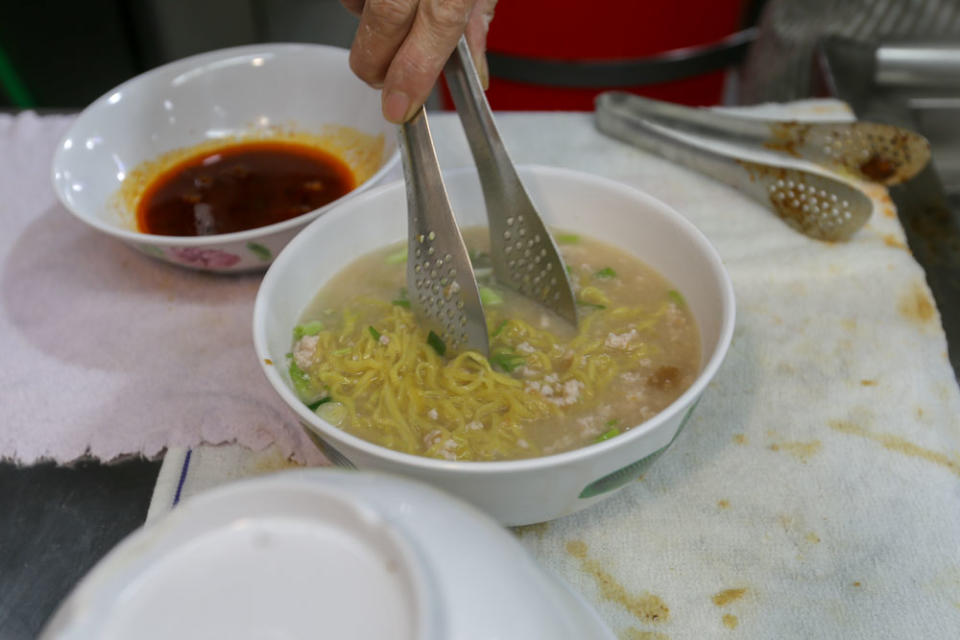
x=868, y=151
x=440, y=279
x=816, y=205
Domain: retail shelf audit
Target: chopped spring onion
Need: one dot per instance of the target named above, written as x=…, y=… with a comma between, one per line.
x=507, y=359
x=313, y=405
x=590, y=305
x=608, y=434
x=308, y=329
x=402, y=300
x=499, y=329
x=677, y=297
x=333, y=412
x=483, y=273
x=479, y=258
x=397, y=257
x=567, y=238
x=437, y=343
x=301, y=384
x=374, y=333
x=594, y=295
x=489, y=297
x=606, y=272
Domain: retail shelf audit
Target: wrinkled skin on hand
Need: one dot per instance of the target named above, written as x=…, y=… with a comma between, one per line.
x=402, y=45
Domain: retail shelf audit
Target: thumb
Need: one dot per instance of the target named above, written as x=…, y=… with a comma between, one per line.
x=476, y=33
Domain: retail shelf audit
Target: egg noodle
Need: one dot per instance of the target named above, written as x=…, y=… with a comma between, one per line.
x=374, y=373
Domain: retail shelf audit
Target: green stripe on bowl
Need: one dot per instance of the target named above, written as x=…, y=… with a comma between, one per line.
x=260, y=251
x=151, y=250
x=633, y=470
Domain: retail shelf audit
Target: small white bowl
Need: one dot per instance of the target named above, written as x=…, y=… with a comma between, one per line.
x=519, y=491
x=257, y=91
x=322, y=554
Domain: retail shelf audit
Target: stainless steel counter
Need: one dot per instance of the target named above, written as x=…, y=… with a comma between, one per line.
x=919, y=99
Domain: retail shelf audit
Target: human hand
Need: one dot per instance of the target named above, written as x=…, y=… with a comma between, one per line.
x=402, y=45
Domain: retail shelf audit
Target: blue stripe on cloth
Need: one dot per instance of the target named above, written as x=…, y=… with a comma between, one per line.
x=183, y=476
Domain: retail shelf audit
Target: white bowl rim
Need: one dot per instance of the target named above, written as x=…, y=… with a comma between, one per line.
x=222, y=238
x=472, y=467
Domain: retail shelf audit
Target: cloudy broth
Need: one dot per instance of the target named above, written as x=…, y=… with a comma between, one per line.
x=550, y=388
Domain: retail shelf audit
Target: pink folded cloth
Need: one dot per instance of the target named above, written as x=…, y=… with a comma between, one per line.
x=106, y=352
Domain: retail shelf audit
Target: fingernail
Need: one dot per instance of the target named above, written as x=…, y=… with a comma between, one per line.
x=484, y=72
x=395, y=106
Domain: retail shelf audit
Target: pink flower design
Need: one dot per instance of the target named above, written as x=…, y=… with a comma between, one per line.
x=207, y=258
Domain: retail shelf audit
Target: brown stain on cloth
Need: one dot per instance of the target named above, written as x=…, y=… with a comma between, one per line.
x=632, y=633
x=892, y=241
x=539, y=530
x=274, y=461
x=645, y=606
x=898, y=444
x=727, y=596
x=916, y=305
x=802, y=451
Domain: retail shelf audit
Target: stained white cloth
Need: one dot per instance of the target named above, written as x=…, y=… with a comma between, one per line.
x=820, y=473
x=106, y=352
x=815, y=493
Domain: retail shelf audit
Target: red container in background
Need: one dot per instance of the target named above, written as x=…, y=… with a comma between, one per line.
x=578, y=30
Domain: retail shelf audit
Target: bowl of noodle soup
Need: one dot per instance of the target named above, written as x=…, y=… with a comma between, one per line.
x=552, y=422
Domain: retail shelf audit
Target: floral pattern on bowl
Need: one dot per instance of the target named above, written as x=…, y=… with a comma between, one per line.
x=223, y=257
x=204, y=258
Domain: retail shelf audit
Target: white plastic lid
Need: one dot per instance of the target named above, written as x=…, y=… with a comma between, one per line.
x=322, y=553
x=262, y=564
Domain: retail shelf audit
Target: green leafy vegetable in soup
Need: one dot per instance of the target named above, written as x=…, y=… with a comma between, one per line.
x=361, y=361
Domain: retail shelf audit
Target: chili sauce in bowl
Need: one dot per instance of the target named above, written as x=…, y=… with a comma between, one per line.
x=241, y=187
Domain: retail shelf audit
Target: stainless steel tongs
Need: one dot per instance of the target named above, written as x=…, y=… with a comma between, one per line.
x=816, y=205
x=440, y=279
x=869, y=151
